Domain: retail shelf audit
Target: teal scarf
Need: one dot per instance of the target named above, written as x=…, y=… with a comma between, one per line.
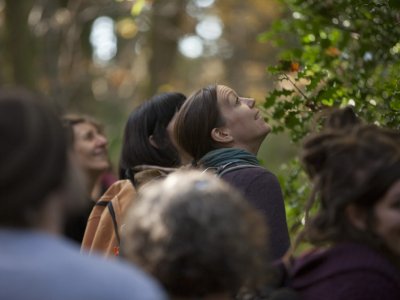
x=226, y=156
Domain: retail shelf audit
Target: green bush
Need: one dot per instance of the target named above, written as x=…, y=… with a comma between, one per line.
x=335, y=53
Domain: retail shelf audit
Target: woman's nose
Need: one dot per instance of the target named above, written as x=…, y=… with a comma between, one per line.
x=101, y=140
x=248, y=101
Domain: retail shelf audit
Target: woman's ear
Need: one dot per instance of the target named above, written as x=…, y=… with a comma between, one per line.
x=356, y=216
x=221, y=135
x=153, y=142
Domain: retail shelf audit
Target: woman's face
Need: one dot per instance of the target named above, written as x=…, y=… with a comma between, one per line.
x=244, y=122
x=90, y=148
x=387, y=215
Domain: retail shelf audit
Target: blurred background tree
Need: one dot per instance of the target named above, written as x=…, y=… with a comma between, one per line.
x=104, y=57
x=334, y=53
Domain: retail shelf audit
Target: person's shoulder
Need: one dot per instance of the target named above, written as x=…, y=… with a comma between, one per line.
x=118, y=187
x=245, y=171
x=103, y=278
x=357, y=256
x=117, y=275
x=56, y=263
x=251, y=177
x=359, y=271
x=367, y=284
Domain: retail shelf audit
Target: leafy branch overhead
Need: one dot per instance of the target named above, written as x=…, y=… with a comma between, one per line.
x=337, y=53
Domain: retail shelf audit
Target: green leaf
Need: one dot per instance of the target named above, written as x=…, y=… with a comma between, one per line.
x=137, y=7
x=327, y=102
x=291, y=120
x=269, y=101
x=395, y=103
x=394, y=3
x=274, y=69
x=266, y=36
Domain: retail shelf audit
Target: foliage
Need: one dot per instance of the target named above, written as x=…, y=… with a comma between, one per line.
x=295, y=193
x=336, y=53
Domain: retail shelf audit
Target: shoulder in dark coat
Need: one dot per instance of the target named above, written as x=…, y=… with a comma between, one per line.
x=347, y=271
x=261, y=188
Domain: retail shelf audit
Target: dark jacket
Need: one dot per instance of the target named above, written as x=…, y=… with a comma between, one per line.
x=347, y=271
x=261, y=188
x=76, y=223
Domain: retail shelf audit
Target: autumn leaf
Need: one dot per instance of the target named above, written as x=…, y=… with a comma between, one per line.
x=294, y=66
x=332, y=51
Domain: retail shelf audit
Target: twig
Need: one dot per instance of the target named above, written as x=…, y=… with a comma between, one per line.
x=295, y=86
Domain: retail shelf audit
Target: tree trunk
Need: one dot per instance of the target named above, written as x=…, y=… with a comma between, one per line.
x=20, y=43
x=166, y=21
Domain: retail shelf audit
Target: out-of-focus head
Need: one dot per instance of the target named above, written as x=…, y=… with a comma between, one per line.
x=33, y=159
x=196, y=235
x=147, y=137
x=89, y=144
x=356, y=172
x=216, y=117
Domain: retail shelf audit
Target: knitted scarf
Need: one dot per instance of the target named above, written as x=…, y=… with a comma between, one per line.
x=224, y=156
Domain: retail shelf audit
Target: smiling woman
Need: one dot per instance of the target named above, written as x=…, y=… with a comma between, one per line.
x=223, y=132
x=90, y=146
x=89, y=149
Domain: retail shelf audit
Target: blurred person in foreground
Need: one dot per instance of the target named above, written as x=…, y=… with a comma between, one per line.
x=39, y=186
x=89, y=146
x=197, y=236
x=355, y=169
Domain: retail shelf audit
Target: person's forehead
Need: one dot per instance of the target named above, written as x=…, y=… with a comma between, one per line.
x=225, y=92
x=85, y=127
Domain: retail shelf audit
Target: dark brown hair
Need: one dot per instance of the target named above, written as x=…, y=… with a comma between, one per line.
x=196, y=119
x=349, y=163
x=150, y=118
x=196, y=235
x=33, y=156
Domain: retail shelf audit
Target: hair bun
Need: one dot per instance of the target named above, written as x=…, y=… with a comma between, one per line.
x=344, y=118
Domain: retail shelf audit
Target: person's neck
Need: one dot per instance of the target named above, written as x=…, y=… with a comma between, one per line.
x=92, y=178
x=249, y=148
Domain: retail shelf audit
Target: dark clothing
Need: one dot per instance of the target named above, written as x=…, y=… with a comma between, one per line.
x=261, y=188
x=75, y=224
x=346, y=271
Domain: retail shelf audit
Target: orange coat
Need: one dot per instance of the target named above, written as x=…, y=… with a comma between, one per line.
x=101, y=234
x=104, y=224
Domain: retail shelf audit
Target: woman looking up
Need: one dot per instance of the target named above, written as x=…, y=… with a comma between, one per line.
x=223, y=132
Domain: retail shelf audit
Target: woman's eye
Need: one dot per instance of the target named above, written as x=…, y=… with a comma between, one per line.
x=237, y=100
x=88, y=136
